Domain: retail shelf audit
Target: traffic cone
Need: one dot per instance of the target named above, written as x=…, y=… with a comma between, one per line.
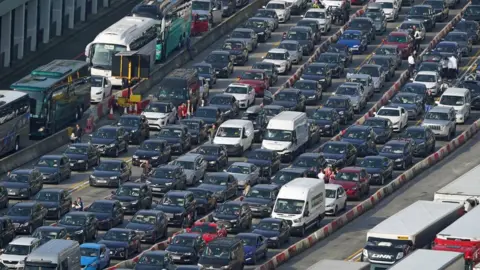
x=110, y=114
x=125, y=110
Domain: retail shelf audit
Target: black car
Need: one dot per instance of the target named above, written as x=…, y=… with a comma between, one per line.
x=158, y=259
x=327, y=119
x=27, y=216
x=155, y=151
x=342, y=105
x=180, y=208
x=197, y=128
x=109, y=213
x=272, y=110
x=334, y=62
x=428, y=66
x=54, y=168
x=380, y=168
x=133, y=196
x=206, y=71
x=363, y=138
x=256, y=114
x=110, y=173
x=121, y=242
x=314, y=25
x=47, y=233
x=110, y=140
x=472, y=13
x=238, y=49
x=214, y=254
x=267, y=160
x=165, y=178
x=286, y=175
x=311, y=89
x=222, y=63
x=261, y=28
x=277, y=231
x=81, y=226
x=82, y=156
x=151, y=225
x=206, y=202
x=236, y=216
x=261, y=199
x=215, y=155
x=291, y=99
x=223, y=184
x=474, y=87
x=269, y=69
x=186, y=248
x=318, y=72
x=339, y=154
x=424, y=13
x=416, y=88
x=268, y=13
x=343, y=50
x=387, y=64
x=210, y=115
x=227, y=104
x=440, y=9
x=423, y=138
x=136, y=126
x=366, y=25
x=400, y=152
x=471, y=27
x=314, y=162
x=304, y=35
x=382, y=127
x=177, y=137
x=7, y=231
x=23, y=183
x=57, y=201
x=463, y=40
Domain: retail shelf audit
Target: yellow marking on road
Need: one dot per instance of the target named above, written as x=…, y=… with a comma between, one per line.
x=354, y=254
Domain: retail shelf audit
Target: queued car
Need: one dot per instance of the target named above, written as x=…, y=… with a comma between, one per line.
x=327, y=119
x=356, y=40
x=197, y=128
x=392, y=51
x=402, y=40
x=7, y=234
x=94, y=256
x=355, y=92
x=210, y=115
x=155, y=151
x=47, y=233
x=286, y=175
x=335, y=199
x=81, y=226
x=22, y=183
x=82, y=156
x=261, y=199
x=294, y=50
x=291, y=99
x=27, y=216
x=257, y=115
x=243, y=93
x=428, y=66
x=179, y=207
x=177, y=136
x=363, y=138
x=110, y=173
x=221, y=63
x=318, y=72
x=440, y=9
x=281, y=58
x=322, y=16
x=257, y=79
x=161, y=113
x=248, y=36
x=382, y=127
x=166, y=178
x=342, y=105
x=150, y=225
x=267, y=161
x=314, y=25
x=109, y=213
x=442, y=121
x=54, y=168
x=227, y=104
x=277, y=231
x=156, y=259
x=235, y=216
x=194, y=167
x=339, y=154
x=186, y=248
x=205, y=200
x=255, y=247
x=448, y=48
x=57, y=201
x=206, y=71
x=334, y=62
x=400, y=152
x=311, y=89
x=209, y=231
x=469, y=26
x=423, y=138
x=387, y=64
x=215, y=155
x=413, y=103
x=223, y=184
x=133, y=197
x=314, y=162
x=416, y=88
x=268, y=14
x=397, y=115
x=245, y=173
x=377, y=73
x=354, y=180
x=365, y=25
x=121, y=242
x=272, y=110
x=462, y=39
x=343, y=50
x=238, y=49
x=302, y=34
x=365, y=80
x=380, y=168
x=260, y=27
x=110, y=140
x=270, y=70
x=17, y=251
x=137, y=127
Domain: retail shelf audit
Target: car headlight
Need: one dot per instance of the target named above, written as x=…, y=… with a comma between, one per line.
x=52, y=209
x=355, y=46
x=188, y=254
x=113, y=177
x=233, y=221
x=212, y=162
x=26, y=224
x=156, y=157
x=365, y=253
x=237, y=145
x=341, y=112
x=148, y=182
x=399, y=255
x=92, y=177
x=80, y=161
x=398, y=160
x=321, y=80
x=79, y=232
x=261, y=33
x=168, y=184
x=134, y=202
x=112, y=145
x=327, y=126
x=274, y=238
x=375, y=174
x=134, y=156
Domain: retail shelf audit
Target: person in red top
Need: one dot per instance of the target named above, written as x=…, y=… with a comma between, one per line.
x=182, y=111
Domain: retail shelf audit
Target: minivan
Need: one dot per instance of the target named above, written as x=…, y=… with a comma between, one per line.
x=236, y=135
x=180, y=86
x=460, y=99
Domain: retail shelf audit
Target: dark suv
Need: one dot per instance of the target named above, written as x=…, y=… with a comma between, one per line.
x=57, y=201
x=180, y=86
x=27, y=216
x=110, y=140
x=136, y=126
x=177, y=137
x=223, y=253
x=179, y=207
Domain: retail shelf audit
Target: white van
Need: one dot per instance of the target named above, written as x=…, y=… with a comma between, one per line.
x=458, y=98
x=287, y=134
x=56, y=254
x=301, y=202
x=236, y=135
x=16, y=251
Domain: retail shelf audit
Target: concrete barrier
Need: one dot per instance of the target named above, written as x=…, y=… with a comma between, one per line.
x=385, y=191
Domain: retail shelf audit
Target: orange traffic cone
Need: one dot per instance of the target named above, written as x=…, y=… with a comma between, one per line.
x=110, y=114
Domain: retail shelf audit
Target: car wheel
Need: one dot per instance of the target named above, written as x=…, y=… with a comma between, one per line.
x=302, y=232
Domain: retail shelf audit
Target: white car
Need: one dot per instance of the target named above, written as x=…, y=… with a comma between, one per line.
x=398, y=116
x=294, y=49
x=335, y=199
x=243, y=93
x=14, y=254
x=390, y=8
x=281, y=8
x=280, y=58
x=323, y=18
x=100, y=89
x=431, y=80
x=160, y=114
x=331, y=3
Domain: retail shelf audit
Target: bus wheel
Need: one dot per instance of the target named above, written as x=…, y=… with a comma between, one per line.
x=17, y=144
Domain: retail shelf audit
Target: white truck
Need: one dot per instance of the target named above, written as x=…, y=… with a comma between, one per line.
x=465, y=188
x=301, y=202
x=411, y=228
x=432, y=260
x=339, y=265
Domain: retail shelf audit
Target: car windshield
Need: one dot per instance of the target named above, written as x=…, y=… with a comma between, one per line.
x=17, y=178
x=371, y=163
x=209, y=151
x=201, y=193
x=191, y=125
x=268, y=226
x=105, y=134
x=229, y=132
x=305, y=85
x=425, y=78
x=311, y=24
x=239, y=169
x=128, y=191
x=295, y=35
x=283, y=177
x=108, y=166
x=144, y=219
x=248, y=240
x=215, y=180
x=446, y=48
x=96, y=81
x=73, y=220
x=372, y=71
x=47, y=162
x=241, y=34
x=272, y=111
x=423, y=11
x=265, y=14
x=315, y=15
x=347, y=91
x=164, y=173
x=428, y=66
x=374, y=123
x=347, y=176
x=98, y=207
x=205, y=228
x=256, y=24
x=464, y=26
x=359, y=24
x=335, y=103
x=113, y=235
x=436, y=116
x=386, y=5
x=409, y=26
x=276, y=56
x=275, y=6
x=385, y=51
x=203, y=69
x=46, y=196
x=472, y=10
x=278, y=135
x=151, y=146
x=17, y=249
x=397, y=38
x=221, y=100
x=19, y=211
x=236, y=90
x=392, y=148
x=173, y=200
x=374, y=16
x=362, y=81
x=267, y=67
x=184, y=241
x=404, y=99
x=455, y=37
x=288, y=46
x=229, y=209
x=388, y=112
x=262, y=155
x=129, y=121
x=287, y=206
x=328, y=58
x=414, y=134
x=452, y=100
x=413, y=89
x=233, y=45
x=45, y=234
x=218, y=58
x=157, y=108
x=316, y=70
x=305, y=162
x=331, y=193
x=154, y=260
x=206, y=112
x=322, y=115
x=334, y=148
x=216, y=252
x=355, y=134
x=351, y=36
x=187, y=165
x=170, y=132
x=260, y=193
x=77, y=149
x=88, y=252
x=379, y=61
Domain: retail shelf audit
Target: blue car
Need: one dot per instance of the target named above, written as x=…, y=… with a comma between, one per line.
x=447, y=49
x=275, y=230
x=356, y=41
x=363, y=138
x=416, y=88
x=94, y=256
x=254, y=247
x=413, y=103
x=206, y=70
x=400, y=151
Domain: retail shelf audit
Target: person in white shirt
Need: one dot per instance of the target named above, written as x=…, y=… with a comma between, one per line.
x=411, y=62
x=444, y=64
x=417, y=39
x=452, y=67
x=321, y=175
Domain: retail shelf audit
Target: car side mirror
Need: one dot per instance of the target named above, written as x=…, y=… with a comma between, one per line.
x=306, y=214
x=244, y=136
x=437, y=102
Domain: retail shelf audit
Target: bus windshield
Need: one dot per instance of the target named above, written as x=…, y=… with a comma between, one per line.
x=102, y=55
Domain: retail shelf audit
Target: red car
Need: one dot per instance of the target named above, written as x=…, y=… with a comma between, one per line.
x=256, y=78
x=209, y=230
x=403, y=40
x=355, y=181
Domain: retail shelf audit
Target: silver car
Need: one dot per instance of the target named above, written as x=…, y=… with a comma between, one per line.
x=355, y=92
x=294, y=49
x=248, y=36
x=365, y=80
x=442, y=121
x=377, y=73
x=193, y=165
x=245, y=173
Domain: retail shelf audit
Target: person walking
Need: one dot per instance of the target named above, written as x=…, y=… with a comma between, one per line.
x=211, y=132
x=76, y=136
x=321, y=175
x=328, y=173
x=444, y=64
x=189, y=47
x=430, y=101
x=146, y=167
x=417, y=39
x=411, y=63
x=452, y=67
x=182, y=111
